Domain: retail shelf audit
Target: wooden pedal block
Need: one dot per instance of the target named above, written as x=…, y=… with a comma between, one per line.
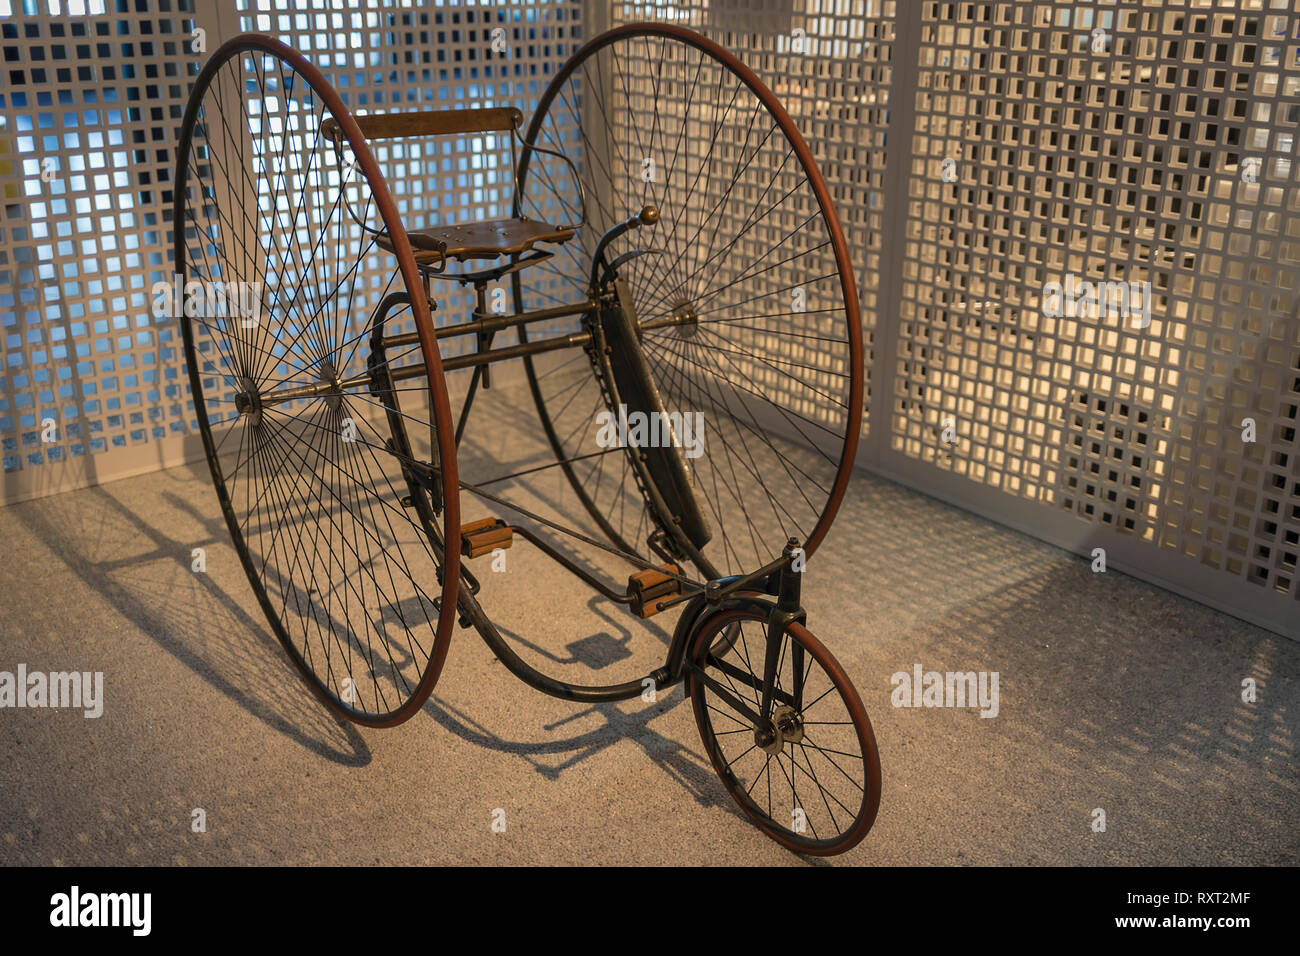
x=646, y=588
x=484, y=536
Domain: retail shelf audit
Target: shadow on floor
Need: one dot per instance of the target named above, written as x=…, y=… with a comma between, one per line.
x=1114, y=693
x=190, y=616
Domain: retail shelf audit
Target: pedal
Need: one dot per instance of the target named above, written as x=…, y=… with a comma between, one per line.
x=484, y=536
x=646, y=588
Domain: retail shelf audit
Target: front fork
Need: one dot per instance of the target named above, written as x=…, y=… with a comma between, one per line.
x=784, y=584
x=786, y=611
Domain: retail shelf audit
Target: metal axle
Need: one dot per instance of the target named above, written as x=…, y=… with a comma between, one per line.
x=472, y=359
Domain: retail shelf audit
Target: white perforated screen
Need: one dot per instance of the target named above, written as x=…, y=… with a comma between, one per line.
x=91, y=97
x=90, y=106
x=1075, y=226
x=1084, y=319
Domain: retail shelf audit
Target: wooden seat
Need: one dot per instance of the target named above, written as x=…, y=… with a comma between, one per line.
x=461, y=241
x=479, y=240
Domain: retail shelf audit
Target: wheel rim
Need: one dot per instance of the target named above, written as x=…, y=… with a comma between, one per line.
x=823, y=763
x=768, y=378
x=361, y=600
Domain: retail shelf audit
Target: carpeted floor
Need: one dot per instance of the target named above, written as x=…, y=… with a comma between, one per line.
x=1115, y=695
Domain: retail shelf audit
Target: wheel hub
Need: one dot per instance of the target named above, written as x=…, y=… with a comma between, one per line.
x=767, y=737
x=686, y=319
x=785, y=727
x=248, y=402
x=789, y=722
x=333, y=387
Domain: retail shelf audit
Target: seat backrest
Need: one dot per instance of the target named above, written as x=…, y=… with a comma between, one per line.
x=503, y=119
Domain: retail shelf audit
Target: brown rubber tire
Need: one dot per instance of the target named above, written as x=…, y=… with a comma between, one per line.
x=325, y=686
x=848, y=834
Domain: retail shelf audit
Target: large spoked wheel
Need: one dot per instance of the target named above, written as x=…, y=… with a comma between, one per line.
x=279, y=228
x=808, y=775
x=743, y=290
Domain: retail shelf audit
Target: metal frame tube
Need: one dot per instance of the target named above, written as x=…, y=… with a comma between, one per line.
x=473, y=359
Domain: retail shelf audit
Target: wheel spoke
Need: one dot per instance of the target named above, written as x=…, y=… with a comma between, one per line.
x=350, y=579
x=817, y=796
x=771, y=363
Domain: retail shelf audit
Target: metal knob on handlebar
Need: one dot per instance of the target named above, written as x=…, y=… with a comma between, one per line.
x=648, y=216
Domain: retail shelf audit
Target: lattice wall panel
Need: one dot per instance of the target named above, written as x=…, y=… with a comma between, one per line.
x=1022, y=156
x=1060, y=149
x=91, y=100
x=829, y=62
x=92, y=93
x=408, y=55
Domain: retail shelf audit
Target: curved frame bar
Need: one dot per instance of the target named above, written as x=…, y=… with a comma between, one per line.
x=533, y=147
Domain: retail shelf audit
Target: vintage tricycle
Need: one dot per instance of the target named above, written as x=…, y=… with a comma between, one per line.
x=671, y=257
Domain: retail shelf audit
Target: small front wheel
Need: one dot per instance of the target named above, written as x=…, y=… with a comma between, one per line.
x=808, y=774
